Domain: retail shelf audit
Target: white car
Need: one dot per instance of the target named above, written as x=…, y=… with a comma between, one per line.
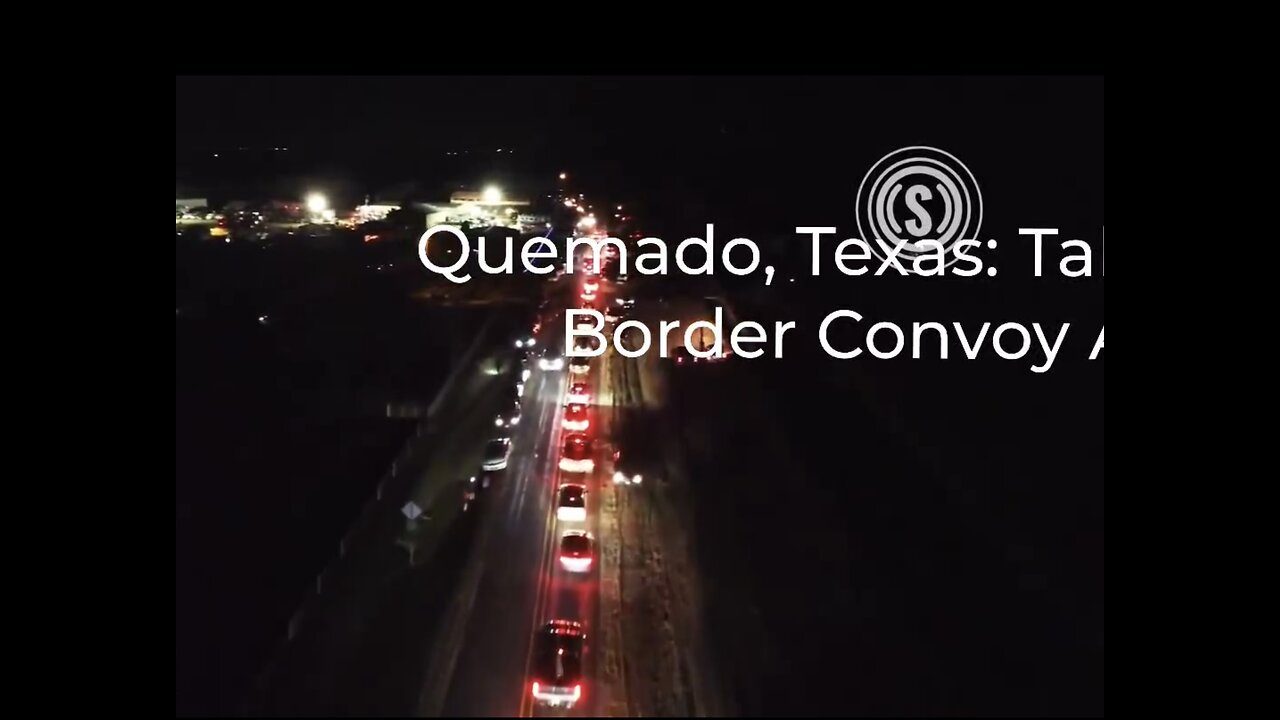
x=550, y=362
x=496, y=454
x=571, y=503
x=575, y=551
x=576, y=457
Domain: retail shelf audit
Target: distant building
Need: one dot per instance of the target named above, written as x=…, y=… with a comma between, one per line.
x=188, y=204
x=371, y=212
x=530, y=223
x=463, y=197
x=478, y=209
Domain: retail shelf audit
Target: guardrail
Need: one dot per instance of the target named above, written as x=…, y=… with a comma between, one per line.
x=391, y=486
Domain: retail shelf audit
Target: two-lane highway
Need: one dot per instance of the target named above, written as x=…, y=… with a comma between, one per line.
x=491, y=650
x=521, y=582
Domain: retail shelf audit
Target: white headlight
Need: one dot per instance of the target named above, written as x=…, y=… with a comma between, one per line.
x=618, y=477
x=636, y=479
x=519, y=343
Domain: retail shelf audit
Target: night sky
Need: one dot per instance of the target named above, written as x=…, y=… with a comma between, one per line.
x=694, y=146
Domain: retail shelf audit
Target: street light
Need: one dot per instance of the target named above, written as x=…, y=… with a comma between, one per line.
x=317, y=203
x=563, y=176
x=492, y=195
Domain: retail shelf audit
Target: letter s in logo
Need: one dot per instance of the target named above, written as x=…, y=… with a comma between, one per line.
x=921, y=226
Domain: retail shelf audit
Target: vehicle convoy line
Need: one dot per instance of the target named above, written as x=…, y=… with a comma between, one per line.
x=544, y=573
x=446, y=653
x=563, y=594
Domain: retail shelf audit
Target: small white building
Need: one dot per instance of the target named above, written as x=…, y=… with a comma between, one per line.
x=371, y=212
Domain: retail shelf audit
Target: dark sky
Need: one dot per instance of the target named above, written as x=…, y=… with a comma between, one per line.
x=582, y=115
x=695, y=145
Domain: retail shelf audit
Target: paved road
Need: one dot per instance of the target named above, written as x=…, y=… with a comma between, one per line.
x=520, y=584
x=451, y=635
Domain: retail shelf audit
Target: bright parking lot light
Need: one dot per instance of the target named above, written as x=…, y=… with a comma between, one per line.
x=317, y=203
x=563, y=176
x=492, y=195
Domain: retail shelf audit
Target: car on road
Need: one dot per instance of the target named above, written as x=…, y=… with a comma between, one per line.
x=682, y=356
x=579, y=365
x=496, y=454
x=557, y=677
x=575, y=418
x=588, y=296
x=578, y=393
x=550, y=360
x=474, y=489
x=575, y=456
x=590, y=286
x=571, y=503
x=528, y=341
x=625, y=472
x=575, y=551
x=510, y=418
